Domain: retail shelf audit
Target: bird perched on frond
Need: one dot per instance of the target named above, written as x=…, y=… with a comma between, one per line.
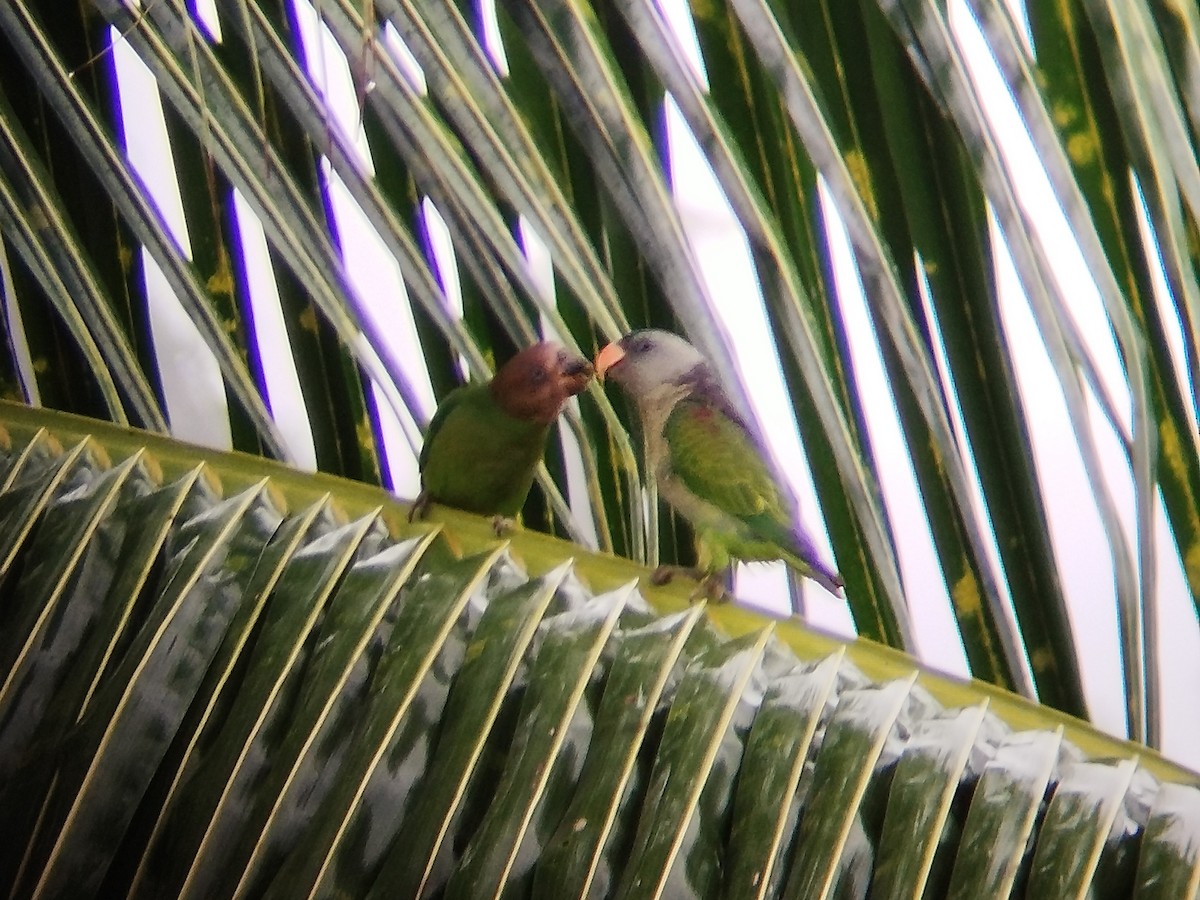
x=706, y=462
x=484, y=442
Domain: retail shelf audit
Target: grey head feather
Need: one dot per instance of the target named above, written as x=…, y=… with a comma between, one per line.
x=662, y=369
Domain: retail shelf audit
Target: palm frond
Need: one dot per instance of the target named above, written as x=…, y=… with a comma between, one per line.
x=811, y=116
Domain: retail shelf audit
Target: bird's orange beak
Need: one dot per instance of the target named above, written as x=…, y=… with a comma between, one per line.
x=607, y=358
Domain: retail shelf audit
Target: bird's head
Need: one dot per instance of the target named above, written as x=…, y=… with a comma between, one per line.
x=534, y=384
x=644, y=361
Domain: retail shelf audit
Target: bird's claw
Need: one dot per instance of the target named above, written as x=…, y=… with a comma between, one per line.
x=502, y=525
x=663, y=574
x=710, y=586
x=420, y=507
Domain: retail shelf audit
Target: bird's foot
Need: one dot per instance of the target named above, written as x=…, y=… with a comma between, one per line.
x=502, y=525
x=420, y=507
x=712, y=588
x=663, y=574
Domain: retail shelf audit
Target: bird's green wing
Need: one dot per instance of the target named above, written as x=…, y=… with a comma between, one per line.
x=715, y=458
x=447, y=406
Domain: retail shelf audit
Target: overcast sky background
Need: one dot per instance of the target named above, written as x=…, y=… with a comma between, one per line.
x=196, y=402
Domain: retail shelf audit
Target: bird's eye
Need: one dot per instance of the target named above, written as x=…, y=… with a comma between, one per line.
x=641, y=345
x=538, y=375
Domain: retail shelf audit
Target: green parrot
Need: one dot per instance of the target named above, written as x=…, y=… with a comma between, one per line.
x=485, y=440
x=706, y=462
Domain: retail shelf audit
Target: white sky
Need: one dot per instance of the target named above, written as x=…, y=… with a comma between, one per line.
x=196, y=402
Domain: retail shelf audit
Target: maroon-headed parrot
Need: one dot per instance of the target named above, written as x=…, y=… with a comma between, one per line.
x=485, y=440
x=705, y=460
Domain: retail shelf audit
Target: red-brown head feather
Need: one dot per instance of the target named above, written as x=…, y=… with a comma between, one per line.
x=534, y=384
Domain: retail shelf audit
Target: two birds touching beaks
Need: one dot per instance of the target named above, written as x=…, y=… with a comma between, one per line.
x=485, y=441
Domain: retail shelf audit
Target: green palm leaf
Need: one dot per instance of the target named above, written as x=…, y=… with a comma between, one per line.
x=811, y=116
x=310, y=694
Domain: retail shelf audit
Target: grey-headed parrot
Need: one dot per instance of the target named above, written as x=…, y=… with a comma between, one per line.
x=705, y=460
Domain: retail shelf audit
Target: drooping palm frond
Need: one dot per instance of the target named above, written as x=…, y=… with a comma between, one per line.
x=869, y=108
x=228, y=678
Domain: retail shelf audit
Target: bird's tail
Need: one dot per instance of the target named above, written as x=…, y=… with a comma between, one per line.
x=805, y=560
x=824, y=576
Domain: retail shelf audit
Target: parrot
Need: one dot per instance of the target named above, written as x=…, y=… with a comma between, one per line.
x=706, y=462
x=485, y=440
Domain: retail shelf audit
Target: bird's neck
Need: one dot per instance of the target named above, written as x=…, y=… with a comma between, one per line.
x=656, y=404
x=654, y=407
